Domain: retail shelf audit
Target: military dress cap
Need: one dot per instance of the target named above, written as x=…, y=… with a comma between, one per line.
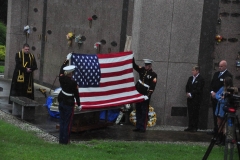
x=147, y=61
x=69, y=68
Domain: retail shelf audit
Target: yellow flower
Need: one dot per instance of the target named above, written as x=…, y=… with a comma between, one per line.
x=70, y=36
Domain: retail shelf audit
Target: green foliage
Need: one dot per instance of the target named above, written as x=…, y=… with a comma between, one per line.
x=1, y=69
x=3, y=30
x=18, y=144
x=2, y=52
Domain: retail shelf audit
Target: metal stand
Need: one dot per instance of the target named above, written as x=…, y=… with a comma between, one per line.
x=231, y=136
x=53, y=84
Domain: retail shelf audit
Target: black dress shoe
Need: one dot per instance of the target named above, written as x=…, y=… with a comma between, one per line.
x=190, y=130
x=136, y=130
x=211, y=133
x=187, y=130
x=193, y=130
x=142, y=131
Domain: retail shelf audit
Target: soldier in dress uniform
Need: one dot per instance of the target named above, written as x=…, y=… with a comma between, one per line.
x=66, y=99
x=145, y=85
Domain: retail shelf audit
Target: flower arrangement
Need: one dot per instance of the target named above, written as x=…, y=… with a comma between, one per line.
x=151, y=114
x=70, y=36
x=90, y=19
x=78, y=39
x=27, y=29
x=219, y=39
x=237, y=64
x=97, y=46
x=90, y=22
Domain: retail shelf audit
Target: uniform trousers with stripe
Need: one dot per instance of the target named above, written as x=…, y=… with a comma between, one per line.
x=66, y=116
x=142, y=109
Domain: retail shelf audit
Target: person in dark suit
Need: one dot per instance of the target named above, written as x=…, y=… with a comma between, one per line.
x=216, y=83
x=194, y=90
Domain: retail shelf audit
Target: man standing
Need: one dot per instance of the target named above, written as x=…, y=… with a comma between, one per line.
x=216, y=83
x=194, y=90
x=145, y=85
x=22, y=80
x=66, y=99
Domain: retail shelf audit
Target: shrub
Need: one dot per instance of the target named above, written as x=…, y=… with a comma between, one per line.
x=2, y=52
x=2, y=34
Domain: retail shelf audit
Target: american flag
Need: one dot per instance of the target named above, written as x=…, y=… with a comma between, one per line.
x=105, y=80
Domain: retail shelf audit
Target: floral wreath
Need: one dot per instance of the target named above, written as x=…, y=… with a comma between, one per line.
x=151, y=114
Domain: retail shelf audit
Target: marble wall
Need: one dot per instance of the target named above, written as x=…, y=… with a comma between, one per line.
x=169, y=32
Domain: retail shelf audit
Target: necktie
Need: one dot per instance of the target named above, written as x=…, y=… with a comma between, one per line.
x=193, y=79
x=220, y=73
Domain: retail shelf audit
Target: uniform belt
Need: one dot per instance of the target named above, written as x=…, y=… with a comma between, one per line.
x=67, y=94
x=145, y=85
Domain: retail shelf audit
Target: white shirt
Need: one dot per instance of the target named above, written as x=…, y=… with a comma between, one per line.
x=194, y=77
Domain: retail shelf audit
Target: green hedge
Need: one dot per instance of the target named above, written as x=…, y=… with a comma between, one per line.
x=2, y=52
x=3, y=29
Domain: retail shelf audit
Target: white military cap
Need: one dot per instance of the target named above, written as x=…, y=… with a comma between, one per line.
x=69, y=68
x=147, y=61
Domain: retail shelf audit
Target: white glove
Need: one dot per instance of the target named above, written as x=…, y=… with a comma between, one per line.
x=69, y=56
x=128, y=106
x=79, y=108
x=26, y=28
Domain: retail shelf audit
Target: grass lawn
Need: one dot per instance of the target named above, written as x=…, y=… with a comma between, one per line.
x=1, y=69
x=22, y=145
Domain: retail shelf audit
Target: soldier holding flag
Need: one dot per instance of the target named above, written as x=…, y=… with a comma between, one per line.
x=145, y=85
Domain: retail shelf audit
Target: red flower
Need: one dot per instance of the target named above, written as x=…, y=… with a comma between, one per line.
x=218, y=37
x=90, y=18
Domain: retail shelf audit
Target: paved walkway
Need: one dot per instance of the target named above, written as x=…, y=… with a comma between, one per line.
x=115, y=132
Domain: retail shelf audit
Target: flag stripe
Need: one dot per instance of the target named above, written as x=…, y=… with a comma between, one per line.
x=119, y=73
x=115, y=91
x=115, y=101
x=116, y=78
x=112, y=97
x=115, y=64
x=118, y=82
x=105, y=88
x=114, y=55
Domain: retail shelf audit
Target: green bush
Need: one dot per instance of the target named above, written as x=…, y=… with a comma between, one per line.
x=3, y=29
x=2, y=52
